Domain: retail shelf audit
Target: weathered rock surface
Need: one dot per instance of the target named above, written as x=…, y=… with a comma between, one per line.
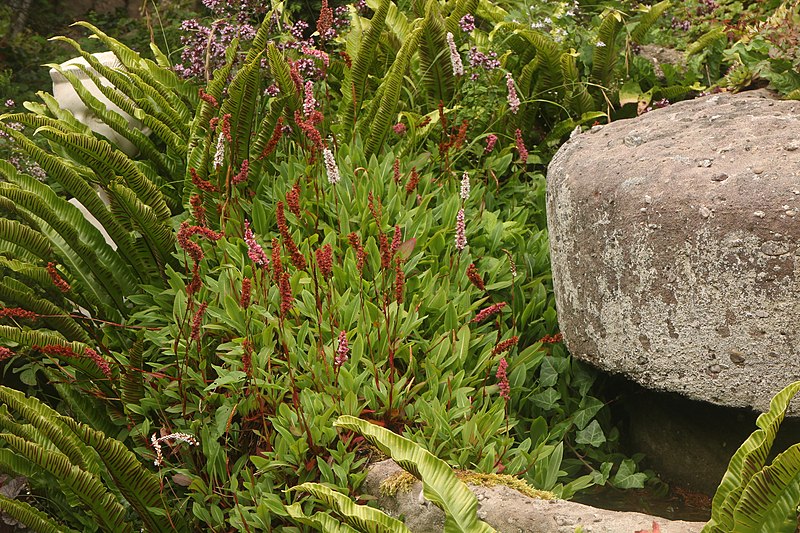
x=674, y=240
x=509, y=511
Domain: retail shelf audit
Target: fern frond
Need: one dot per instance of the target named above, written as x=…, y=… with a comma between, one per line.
x=461, y=8
x=158, y=235
x=379, y=127
x=243, y=96
x=47, y=422
x=23, y=236
x=109, y=163
x=84, y=485
x=434, y=58
x=706, y=40
x=140, y=488
x=647, y=20
x=31, y=517
x=355, y=83
x=604, y=57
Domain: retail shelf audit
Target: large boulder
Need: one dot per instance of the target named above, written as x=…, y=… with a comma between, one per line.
x=674, y=240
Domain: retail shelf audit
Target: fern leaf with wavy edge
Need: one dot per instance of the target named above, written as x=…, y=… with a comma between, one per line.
x=144, y=110
x=356, y=79
x=200, y=137
x=158, y=235
x=119, y=98
x=117, y=122
x=241, y=103
x=41, y=202
x=88, y=488
x=577, y=98
x=461, y=8
x=747, y=461
x=266, y=128
x=25, y=272
x=360, y=517
x=396, y=21
x=31, y=517
x=132, y=381
x=434, y=58
x=56, y=319
x=440, y=484
x=647, y=19
x=135, y=65
x=705, y=40
x=281, y=72
x=110, y=162
x=86, y=407
x=46, y=421
x=392, y=83
x=162, y=71
x=30, y=338
x=320, y=521
x=673, y=92
x=20, y=234
x=549, y=55
x=604, y=57
x=487, y=10
x=75, y=185
x=14, y=464
x=54, y=110
x=772, y=495
x=140, y=487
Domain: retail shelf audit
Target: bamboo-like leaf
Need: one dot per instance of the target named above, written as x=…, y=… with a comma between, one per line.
x=440, y=484
x=31, y=517
x=362, y=518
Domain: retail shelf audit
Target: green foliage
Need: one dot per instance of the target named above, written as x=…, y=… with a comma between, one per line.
x=163, y=317
x=62, y=448
x=754, y=496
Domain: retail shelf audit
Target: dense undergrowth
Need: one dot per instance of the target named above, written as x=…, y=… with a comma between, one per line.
x=337, y=216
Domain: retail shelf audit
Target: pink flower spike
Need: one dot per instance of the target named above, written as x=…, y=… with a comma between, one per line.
x=455, y=58
x=254, y=250
x=513, y=99
x=461, y=231
x=342, y=351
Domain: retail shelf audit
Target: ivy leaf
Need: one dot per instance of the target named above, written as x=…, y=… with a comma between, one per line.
x=592, y=435
x=627, y=477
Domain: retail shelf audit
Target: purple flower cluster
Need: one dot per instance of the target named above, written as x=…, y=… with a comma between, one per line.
x=467, y=23
x=706, y=7
x=479, y=60
x=678, y=24
x=207, y=44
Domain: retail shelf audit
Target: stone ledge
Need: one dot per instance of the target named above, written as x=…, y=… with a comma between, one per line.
x=509, y=511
